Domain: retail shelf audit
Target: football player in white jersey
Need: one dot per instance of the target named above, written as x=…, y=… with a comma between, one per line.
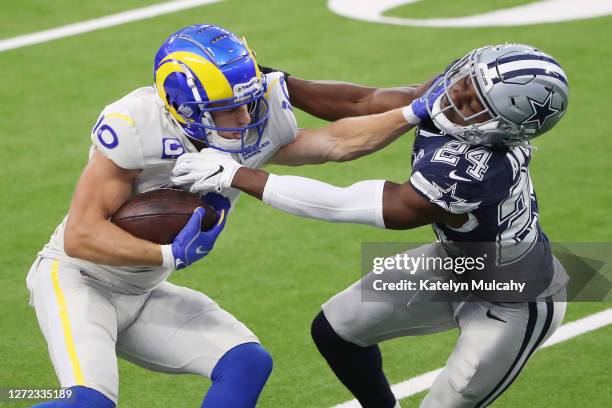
x=99, y=292
x=470, y=181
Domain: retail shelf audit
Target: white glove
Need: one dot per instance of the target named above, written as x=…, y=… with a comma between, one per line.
x=209, y=170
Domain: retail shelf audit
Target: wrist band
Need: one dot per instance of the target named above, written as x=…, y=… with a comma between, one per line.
x=167, y=256
x=409, y=115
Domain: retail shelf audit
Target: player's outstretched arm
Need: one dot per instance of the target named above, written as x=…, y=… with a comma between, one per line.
x=378, y=203
x=351, y=138
x=372, y=202
x=343, y=140
x=333, y=100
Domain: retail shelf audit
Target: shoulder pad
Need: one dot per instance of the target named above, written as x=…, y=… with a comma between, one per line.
x=116, y=136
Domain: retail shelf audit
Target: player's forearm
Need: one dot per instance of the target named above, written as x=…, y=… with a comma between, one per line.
x=104, y=243
x=329, y=100
x=359, y=136
x=333, y=100
x=250, y=181
x=360, y=203
x=378, y=203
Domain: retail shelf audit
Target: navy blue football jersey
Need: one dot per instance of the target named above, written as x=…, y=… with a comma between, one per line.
x=492, y=185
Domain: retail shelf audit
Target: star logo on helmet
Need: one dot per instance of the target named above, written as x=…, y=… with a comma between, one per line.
x=541, y=111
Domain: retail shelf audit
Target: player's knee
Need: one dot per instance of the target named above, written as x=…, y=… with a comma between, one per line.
x=323, y=334
x=246, y=361
x=239, y=377
x=258, y=360
x=461, y=375
x=80, y=397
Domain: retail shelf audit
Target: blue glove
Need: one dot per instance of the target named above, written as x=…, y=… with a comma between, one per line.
x=193, y=244
x=420, y=106
x=217, y=201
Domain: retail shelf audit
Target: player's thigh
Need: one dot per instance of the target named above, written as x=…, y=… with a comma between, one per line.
x=79, y=324
x=363, y=315
x=180, y=330
x=495, y=343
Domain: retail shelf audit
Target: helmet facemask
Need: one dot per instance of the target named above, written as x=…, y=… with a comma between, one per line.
x=473, y=130
x=200, y=125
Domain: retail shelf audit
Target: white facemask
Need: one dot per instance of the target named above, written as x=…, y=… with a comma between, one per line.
x=442, y=122
x=465, y=133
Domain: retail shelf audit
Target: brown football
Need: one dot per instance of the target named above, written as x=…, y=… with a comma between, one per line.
x=159, y=215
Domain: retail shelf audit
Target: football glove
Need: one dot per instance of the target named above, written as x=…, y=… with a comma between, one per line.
x=269, y=70
x=419, y=109
x=193, y=244
x=217, y=201
x=209, y=170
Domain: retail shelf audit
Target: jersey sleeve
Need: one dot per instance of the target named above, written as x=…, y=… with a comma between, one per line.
x=461, y=183
x=116, y=136
x=281, y=120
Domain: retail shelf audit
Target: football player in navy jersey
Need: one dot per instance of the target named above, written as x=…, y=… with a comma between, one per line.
x=470, y=180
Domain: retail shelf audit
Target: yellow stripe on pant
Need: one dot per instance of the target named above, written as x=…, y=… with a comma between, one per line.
x=63, y=311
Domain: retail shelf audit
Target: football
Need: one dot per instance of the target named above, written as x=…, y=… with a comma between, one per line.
x=159, y=215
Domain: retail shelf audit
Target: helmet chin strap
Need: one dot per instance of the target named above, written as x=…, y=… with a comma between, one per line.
x=214, y=139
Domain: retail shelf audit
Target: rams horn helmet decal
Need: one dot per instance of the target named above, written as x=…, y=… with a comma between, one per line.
x=205, y=68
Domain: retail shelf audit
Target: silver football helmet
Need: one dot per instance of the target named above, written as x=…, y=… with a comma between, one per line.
x=523, y=90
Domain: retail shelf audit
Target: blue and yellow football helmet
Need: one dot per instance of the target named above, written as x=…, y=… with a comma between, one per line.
x=204, y=68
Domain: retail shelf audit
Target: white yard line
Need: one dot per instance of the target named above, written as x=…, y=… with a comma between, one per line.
x=567, y=331
x=99, y=23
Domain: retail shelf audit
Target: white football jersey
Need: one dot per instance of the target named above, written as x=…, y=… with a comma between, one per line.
x=136, y=132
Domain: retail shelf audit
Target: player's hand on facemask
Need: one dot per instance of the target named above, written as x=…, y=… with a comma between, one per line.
x=193, y=244
x=420, y=108
x=209, y=170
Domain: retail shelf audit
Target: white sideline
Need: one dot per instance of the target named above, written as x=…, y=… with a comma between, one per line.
x=99, y=23
x=565, y=332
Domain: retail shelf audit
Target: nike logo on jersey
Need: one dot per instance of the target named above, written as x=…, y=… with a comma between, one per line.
x=220, y=170
x=454, y=176
x=492, y=316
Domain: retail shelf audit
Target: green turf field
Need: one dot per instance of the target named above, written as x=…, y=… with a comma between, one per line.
x=272, y=270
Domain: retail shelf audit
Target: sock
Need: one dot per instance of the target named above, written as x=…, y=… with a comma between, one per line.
x=239, y=377
x=359, y=368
